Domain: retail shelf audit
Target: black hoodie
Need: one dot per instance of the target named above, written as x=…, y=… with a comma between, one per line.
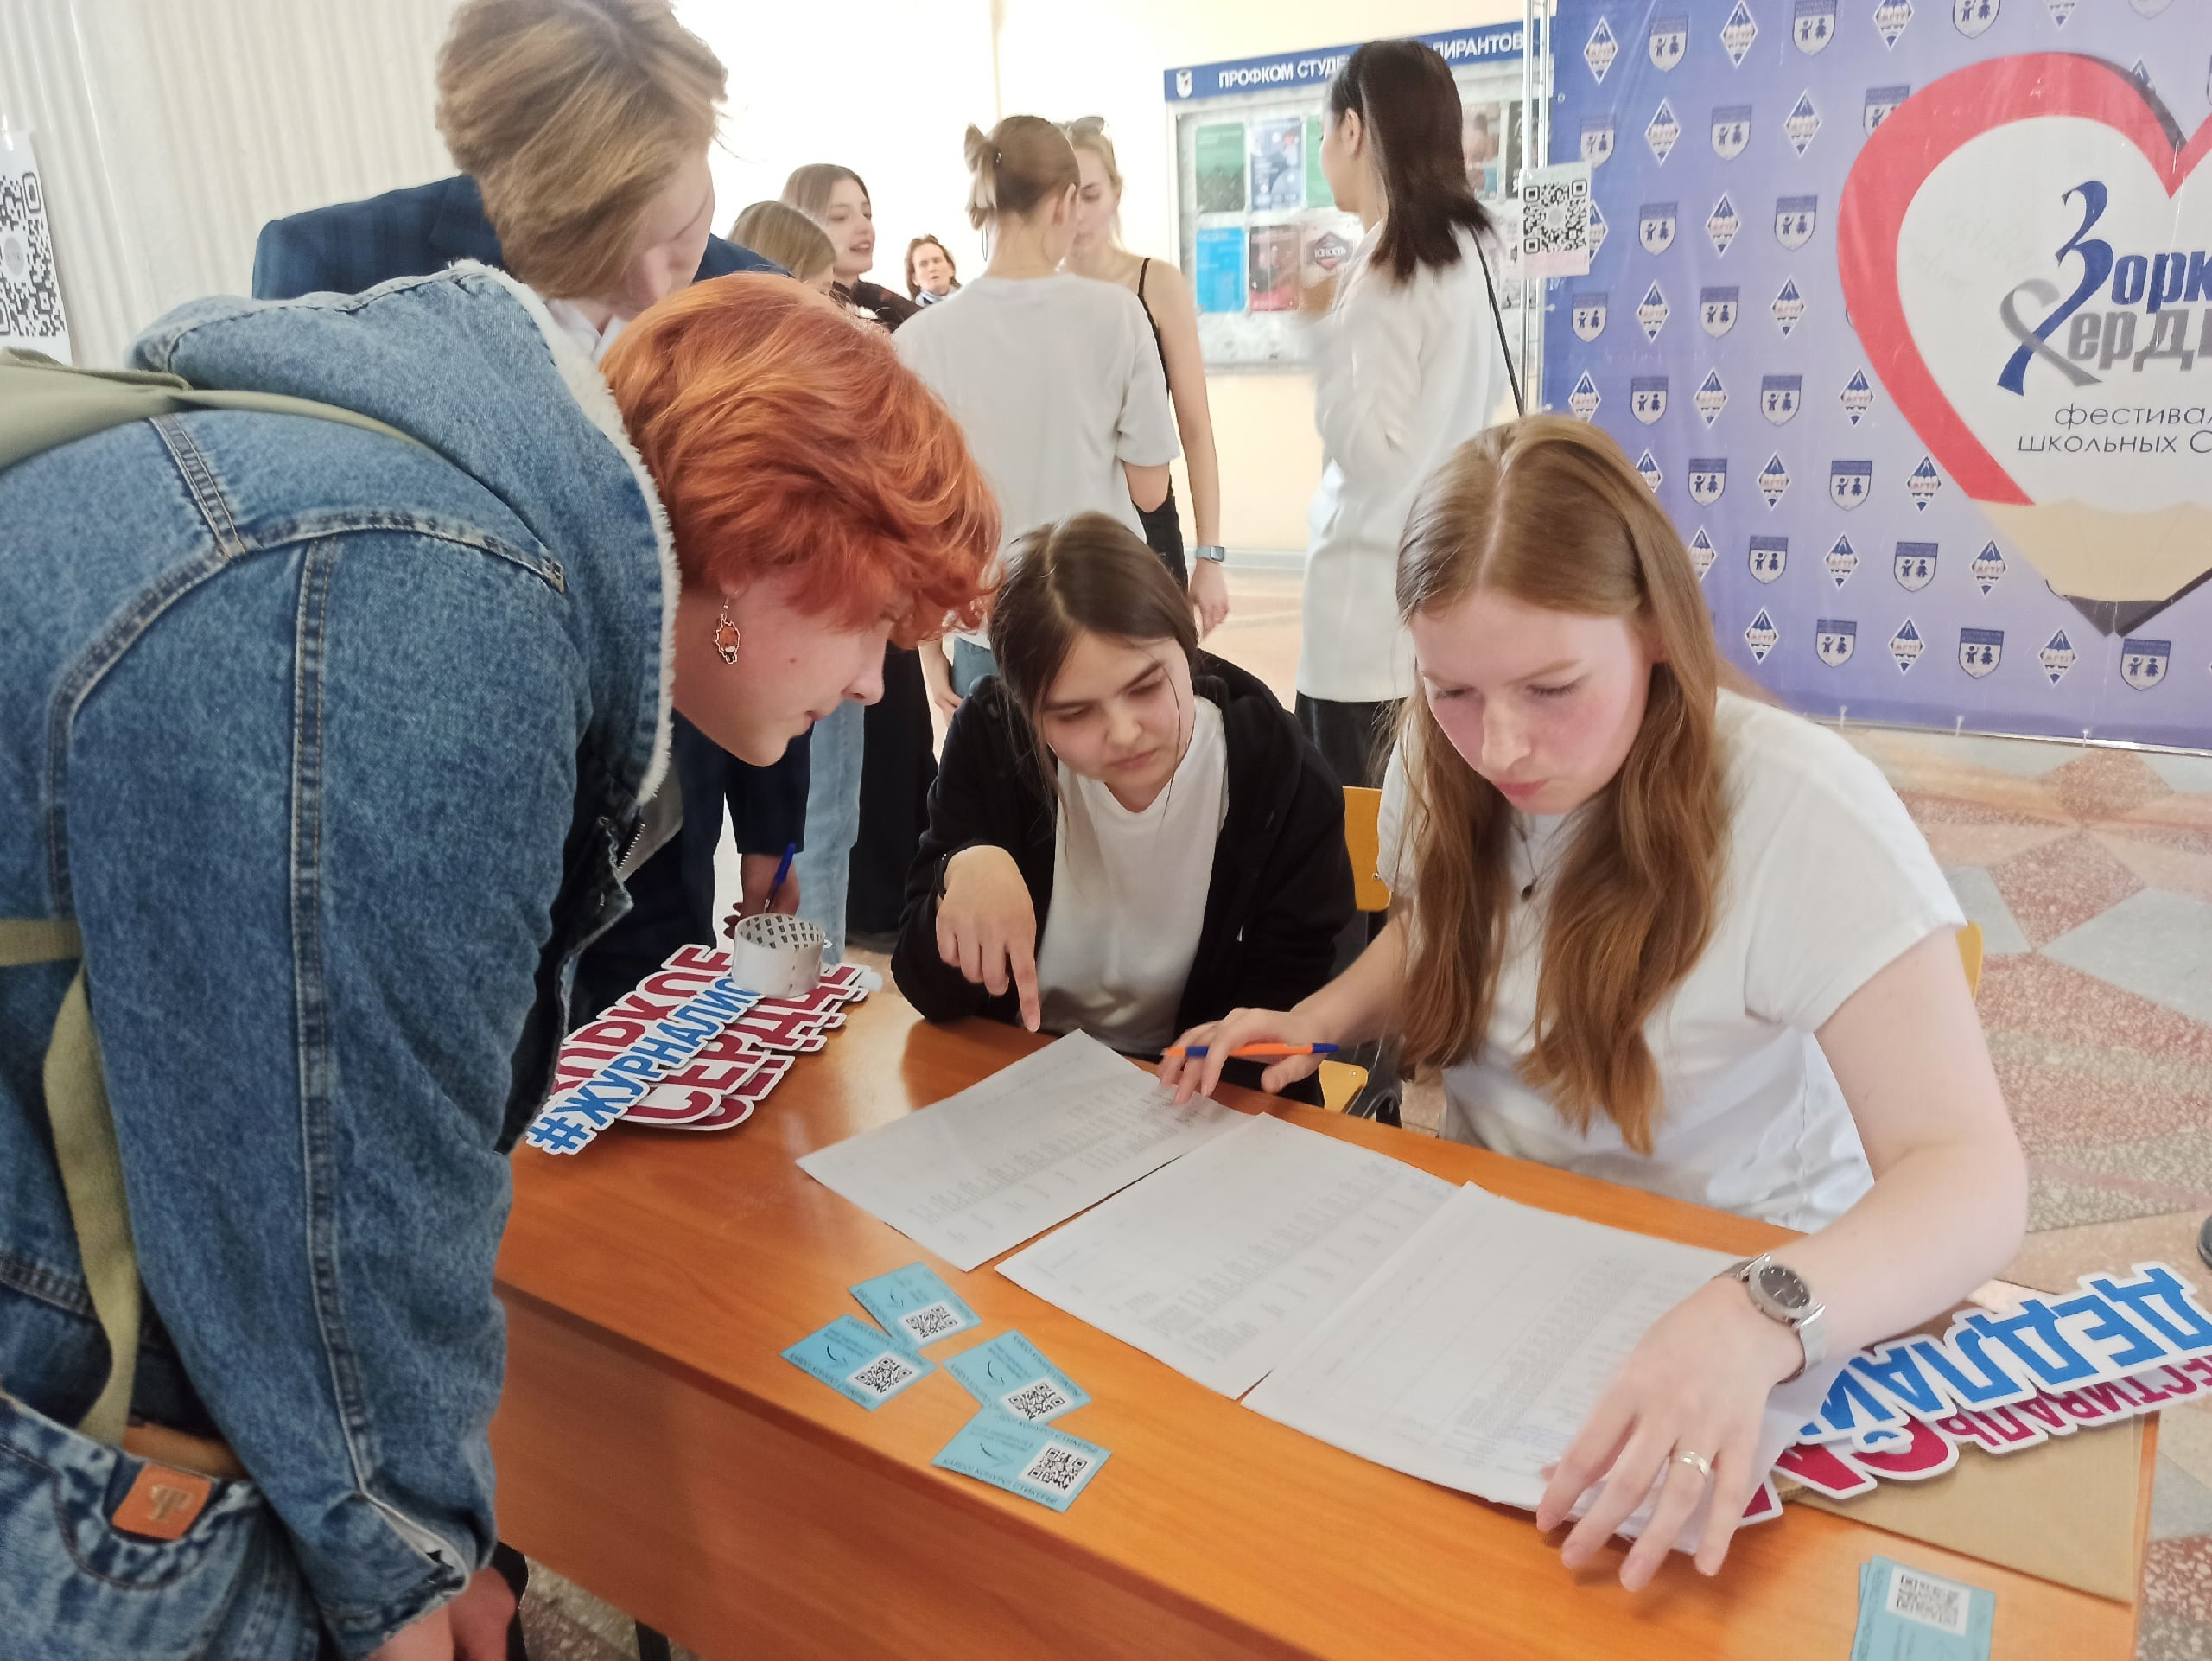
x=1282, y=889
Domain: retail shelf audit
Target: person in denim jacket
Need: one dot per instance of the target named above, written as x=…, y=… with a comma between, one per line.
x=330, y=744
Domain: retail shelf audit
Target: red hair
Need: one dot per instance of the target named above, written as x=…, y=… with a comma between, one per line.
x=785, y=437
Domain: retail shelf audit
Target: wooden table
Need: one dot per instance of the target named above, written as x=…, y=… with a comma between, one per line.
x=654, y=1447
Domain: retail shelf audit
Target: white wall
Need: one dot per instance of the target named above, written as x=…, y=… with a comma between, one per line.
x=815, y=83
x=1062, y=59
x=167, y=134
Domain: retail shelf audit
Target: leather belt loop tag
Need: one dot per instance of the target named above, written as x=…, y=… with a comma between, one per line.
x=163, y=1502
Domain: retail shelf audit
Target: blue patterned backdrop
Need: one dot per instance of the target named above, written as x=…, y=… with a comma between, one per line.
x=1849, y=571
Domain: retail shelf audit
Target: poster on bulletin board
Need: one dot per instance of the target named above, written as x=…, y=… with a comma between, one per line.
x=1255, y=218
x=1904, y=313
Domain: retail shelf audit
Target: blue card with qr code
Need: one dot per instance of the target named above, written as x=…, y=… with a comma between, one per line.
x=858, y=1362
x=1011, y=1374
x=1906, y=1615
x=1033, y=1460
x=915, y=1306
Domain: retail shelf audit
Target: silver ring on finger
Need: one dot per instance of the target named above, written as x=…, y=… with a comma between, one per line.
x=1697, y=1462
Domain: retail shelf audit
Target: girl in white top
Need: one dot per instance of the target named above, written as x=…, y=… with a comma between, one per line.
x=1055, y=379
x=1407, y=364
x=1659, y=932
x=1165, y=294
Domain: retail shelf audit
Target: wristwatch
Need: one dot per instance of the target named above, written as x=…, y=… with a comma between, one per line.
x=1212, y=553
x=1779, y=1293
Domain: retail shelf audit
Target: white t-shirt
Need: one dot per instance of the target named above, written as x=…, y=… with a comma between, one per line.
x=579, y=327
x=1056, y=382
x=1129, y=898
x=1403, y=374
x=1827, y=881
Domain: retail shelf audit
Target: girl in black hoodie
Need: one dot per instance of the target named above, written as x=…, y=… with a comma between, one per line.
x=1127, y=837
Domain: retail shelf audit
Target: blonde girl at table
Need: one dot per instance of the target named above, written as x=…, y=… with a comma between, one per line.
x=1652, y=929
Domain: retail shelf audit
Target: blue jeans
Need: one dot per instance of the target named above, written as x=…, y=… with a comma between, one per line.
x=833, y=823
x=970, y=665
x=79, y=1589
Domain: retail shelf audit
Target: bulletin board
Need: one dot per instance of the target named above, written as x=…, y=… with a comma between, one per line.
x=1253, y=211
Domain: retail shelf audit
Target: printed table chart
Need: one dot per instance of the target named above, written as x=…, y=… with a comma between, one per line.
x=654, y=1446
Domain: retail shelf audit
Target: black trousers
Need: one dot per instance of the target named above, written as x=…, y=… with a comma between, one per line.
x=1354, y=739
x=1163, y=534
x=898, y=765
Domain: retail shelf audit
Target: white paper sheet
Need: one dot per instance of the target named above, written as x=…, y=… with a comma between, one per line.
x=1473, y=1356
x=1029, y=1147
x=1220, y=1263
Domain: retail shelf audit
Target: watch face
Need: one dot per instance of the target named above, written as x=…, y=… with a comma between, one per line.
x=1782, y=1288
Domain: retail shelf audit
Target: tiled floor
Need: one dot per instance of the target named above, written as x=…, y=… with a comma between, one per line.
x=2090, y=873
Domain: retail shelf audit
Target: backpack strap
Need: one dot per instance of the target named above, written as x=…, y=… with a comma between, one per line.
x=91, y=1166
x=45, y=405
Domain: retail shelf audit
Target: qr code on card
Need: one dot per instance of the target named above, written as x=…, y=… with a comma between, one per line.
x=1940, y=1604
x=1036, y=1402
x=930, y=1320
x=1057, y=1466
x=885, y=1376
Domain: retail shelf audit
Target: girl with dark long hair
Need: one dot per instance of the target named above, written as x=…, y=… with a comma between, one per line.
x=1407, y=364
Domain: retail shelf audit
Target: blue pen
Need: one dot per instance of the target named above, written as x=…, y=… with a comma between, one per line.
x=1258, y=1051
x=782, y=870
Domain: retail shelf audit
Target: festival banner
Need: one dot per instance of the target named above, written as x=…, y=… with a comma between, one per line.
x=1903, y=310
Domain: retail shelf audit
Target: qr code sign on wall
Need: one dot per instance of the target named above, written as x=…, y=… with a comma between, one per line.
x=31, y=288
x=1555, y=221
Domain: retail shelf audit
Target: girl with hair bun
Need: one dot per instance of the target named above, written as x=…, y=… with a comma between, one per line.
x=1653, y=929
x=1054, y=378
x=1165, y=294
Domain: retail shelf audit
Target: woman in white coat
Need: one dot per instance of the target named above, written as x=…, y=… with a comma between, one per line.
x=1408, y=365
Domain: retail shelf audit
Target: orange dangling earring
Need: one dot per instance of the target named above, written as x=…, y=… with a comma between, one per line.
x=726, y=636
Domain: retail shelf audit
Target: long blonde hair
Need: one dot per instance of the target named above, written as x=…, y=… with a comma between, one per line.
x=779, y=231
x=1089, y=133
x=1547, y=509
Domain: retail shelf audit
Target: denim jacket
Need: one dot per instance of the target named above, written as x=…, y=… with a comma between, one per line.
x=328, y=743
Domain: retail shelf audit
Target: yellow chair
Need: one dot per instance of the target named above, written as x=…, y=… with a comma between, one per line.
x=1340, y=1080
x=1363, y=841
x=1970, y=955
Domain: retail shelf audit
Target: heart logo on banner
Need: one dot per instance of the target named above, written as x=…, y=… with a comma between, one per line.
x=2025, y=248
